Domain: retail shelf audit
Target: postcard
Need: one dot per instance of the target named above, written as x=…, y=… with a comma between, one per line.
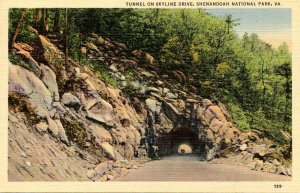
x=149, y=96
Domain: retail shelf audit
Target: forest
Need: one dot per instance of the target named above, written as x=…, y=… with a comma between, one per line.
x=253, y=79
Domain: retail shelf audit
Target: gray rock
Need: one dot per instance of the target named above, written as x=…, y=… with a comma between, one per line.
x=276, y=162
x=147, y=74
x=103, y=178
x=33, y=65
x=71, y=101
x=151, y=103
x=243, y=147
x=49, y=79
x=61, y=132
x=134, y=167
x=122, y=78
x=90, y=174
x=114, y=173
x=159, y=82
x=58, y=106
x=259, y=165
x=23, y=154
x=261, y=150
x=25, y=82
x=113, y=68
x=53, y=128
x=171, y=95
x=110, y=177
x=206, y=102
x=152, y=89
x=112, y=153
x=281, y=170
x=42, y=127
x=28, y=163
x=289, y=171
x=253, y=165
x=165, y=90
x=124, y=83
x=106, y=119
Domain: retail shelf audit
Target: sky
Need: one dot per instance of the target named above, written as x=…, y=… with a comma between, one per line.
x=272, y=25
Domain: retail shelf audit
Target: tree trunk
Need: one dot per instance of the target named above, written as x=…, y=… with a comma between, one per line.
x=44, y=21
x=36, y=18
x=66, y=38
x=19, y=27
x=56, y=21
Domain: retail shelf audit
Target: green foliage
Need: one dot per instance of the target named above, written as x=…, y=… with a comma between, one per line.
x=17, y=60
x=75, y=131
x=242, y=118
x=20, y=103
x=102, y=72
x=246, y=73
x=171, y=54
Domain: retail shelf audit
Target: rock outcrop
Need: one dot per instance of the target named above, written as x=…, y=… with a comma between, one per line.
x=68, y=114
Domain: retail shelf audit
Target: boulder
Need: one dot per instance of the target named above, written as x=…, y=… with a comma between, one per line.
x=243, y=147
x=166, y=123
x=215, y=125
x=129, y=151
x=170, y=111
x=152, y=89
x=111, y=152
x=269, y=167
x=42, y=127
x=59, y=108
x=70, y=100
x=210, y=135
x=92, y=46
x=53, y=56
x=259, y=165
x=171, y=95
x=27, y=83
x=206, y=102
x=224, y=111
x=61, y=132
x=24, y=52
x=100, y=134
x=49, y=79
x=151, y=103
x=105, y=119
x=260, y=150
x=53, y=128
x=281, y=170
x=207, y=117
x=217, y=113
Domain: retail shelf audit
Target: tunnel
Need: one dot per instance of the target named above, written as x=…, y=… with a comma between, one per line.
x=180, y=141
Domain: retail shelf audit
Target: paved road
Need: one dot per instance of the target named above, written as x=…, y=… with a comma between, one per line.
x=189, y=168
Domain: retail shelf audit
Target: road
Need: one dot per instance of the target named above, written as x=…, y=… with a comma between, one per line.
x=189, y=168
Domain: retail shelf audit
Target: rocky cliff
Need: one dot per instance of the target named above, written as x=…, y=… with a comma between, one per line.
x=66, y=122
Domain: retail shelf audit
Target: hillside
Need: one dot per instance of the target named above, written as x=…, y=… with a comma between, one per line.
x=94, y=107
x=66, y=114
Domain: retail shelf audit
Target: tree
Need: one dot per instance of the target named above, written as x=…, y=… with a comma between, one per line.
x=18, y=27
x=230, y=22
x=66, y=37
x=36, y=18
x=56, y=20
x=44, y=26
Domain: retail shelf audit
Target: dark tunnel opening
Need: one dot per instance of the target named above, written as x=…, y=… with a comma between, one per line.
x=181, y=141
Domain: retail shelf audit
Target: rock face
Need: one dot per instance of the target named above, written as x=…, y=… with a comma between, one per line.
x=70, y=100
x=97, y=122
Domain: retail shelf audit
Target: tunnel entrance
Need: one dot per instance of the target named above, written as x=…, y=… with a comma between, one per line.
x=181, y=141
